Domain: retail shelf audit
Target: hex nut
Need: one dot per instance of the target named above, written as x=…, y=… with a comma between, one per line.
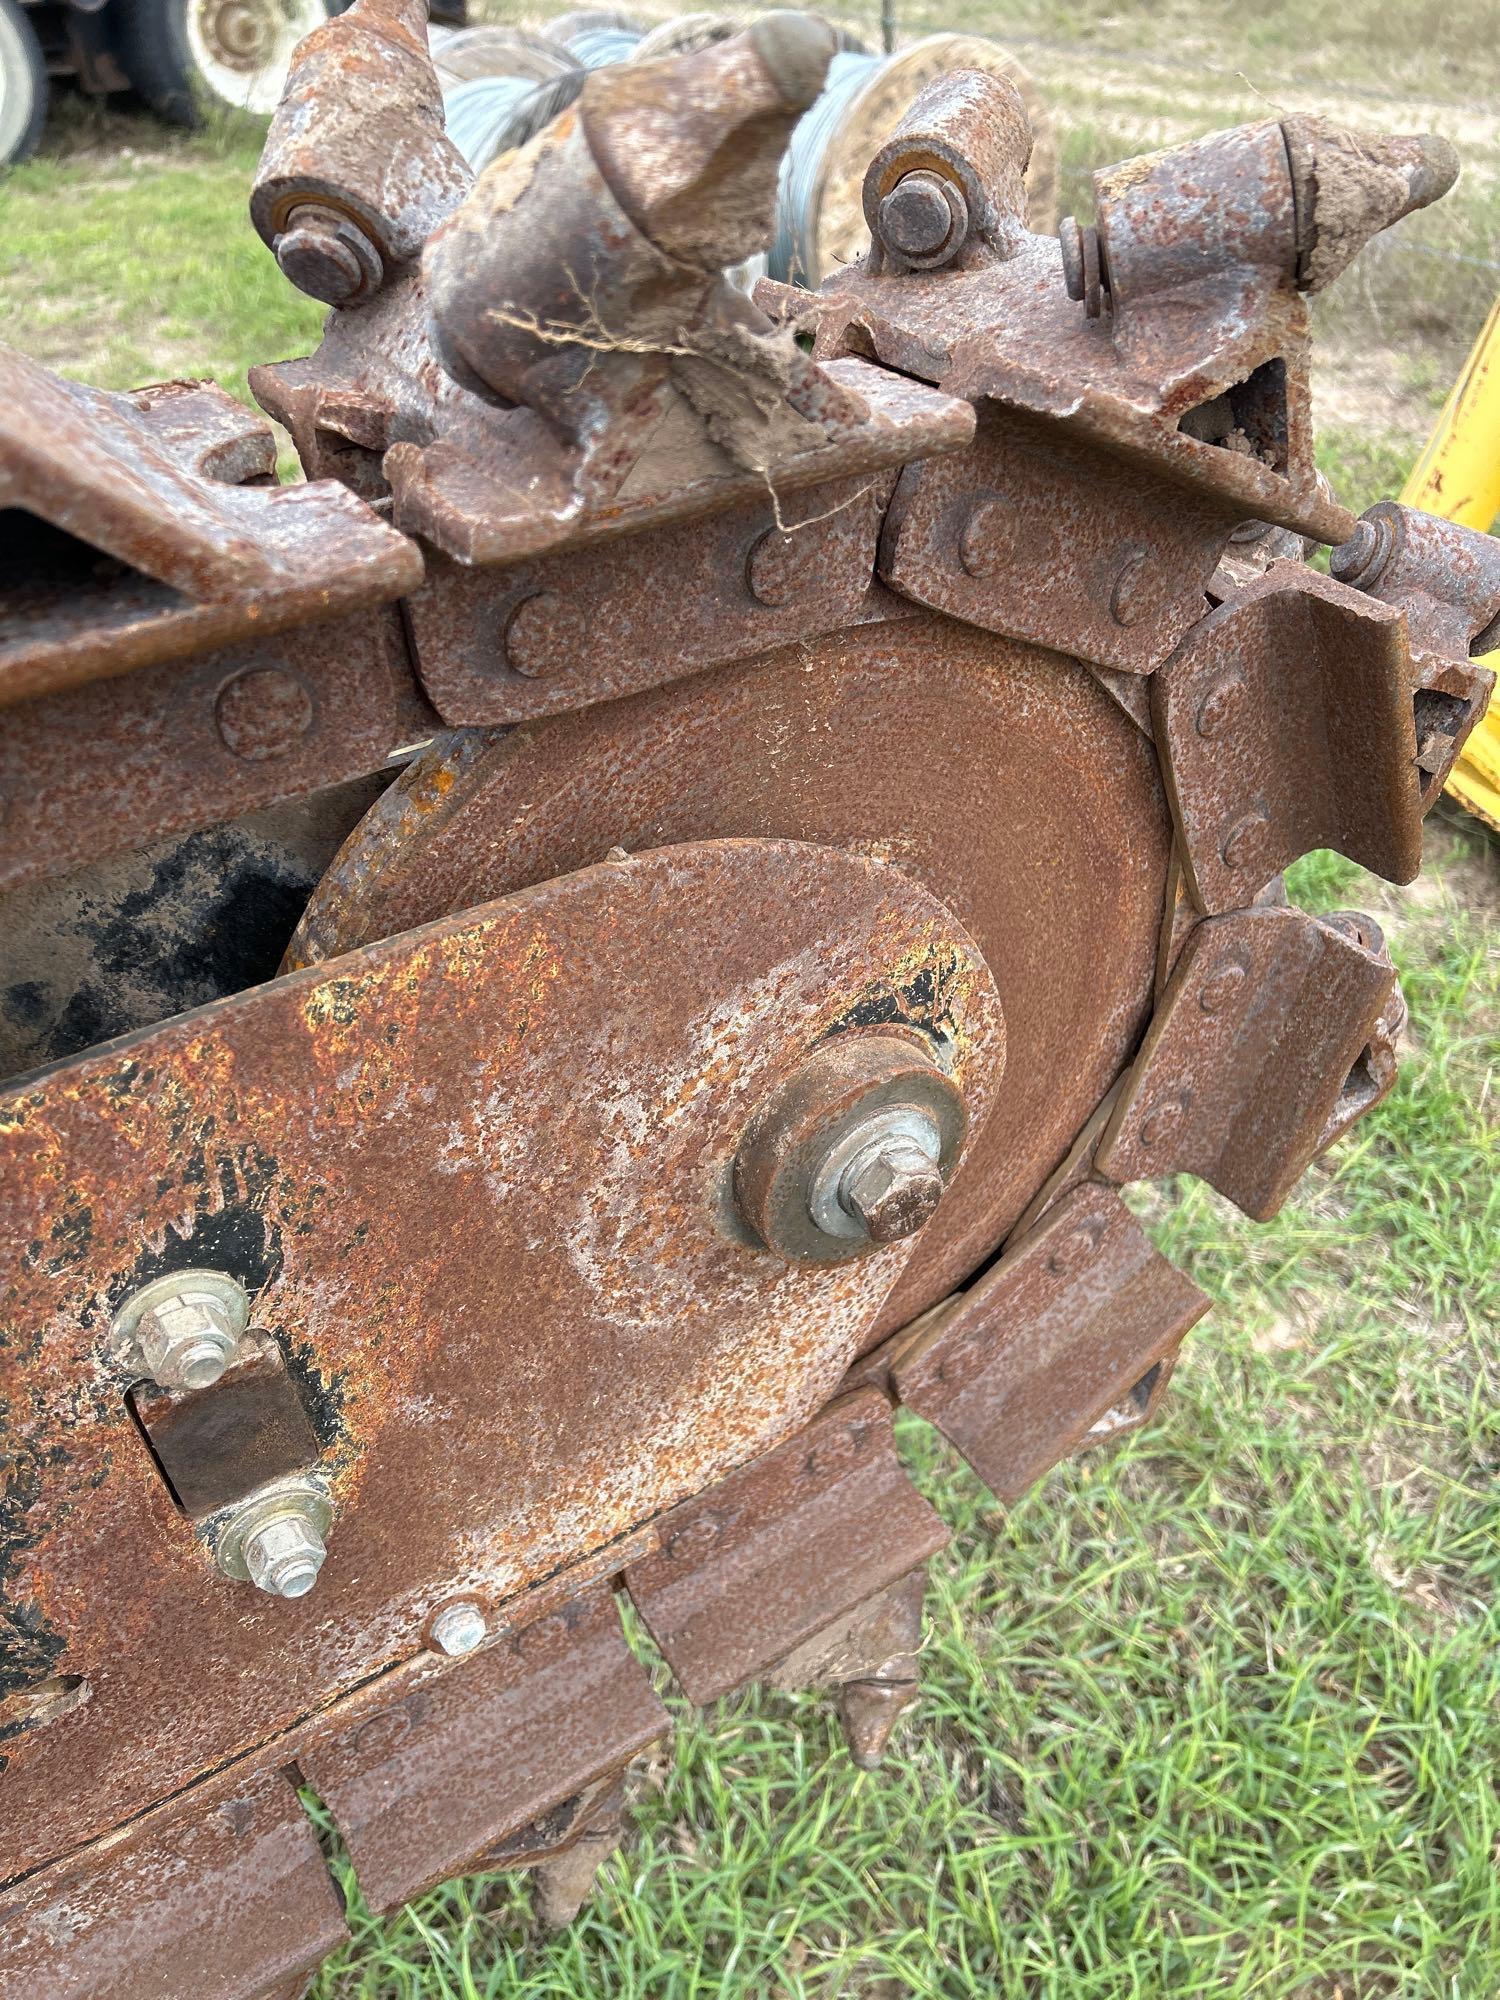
x=893, y=1189
x=865, y=1131
x=182, y=1329
x=275, y=1538
x=284, y=1557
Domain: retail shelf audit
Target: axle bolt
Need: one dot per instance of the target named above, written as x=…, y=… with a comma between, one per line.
x=182, y=1330
x=923, y=219
x=892, y=1186
x=852, y=1151
x=274, y=1539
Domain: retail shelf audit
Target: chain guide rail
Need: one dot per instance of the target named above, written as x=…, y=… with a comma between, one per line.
x=638, y=919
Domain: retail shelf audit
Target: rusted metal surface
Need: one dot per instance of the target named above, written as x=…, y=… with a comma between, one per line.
x=434, y=1783
x=1039, y=536
x=373, y=1149
x=1003, y=779
x=357, y=171
x=236, y=1893
x=1446, y=578
x=852, y=644
x=871, y=1655
x=104, y=769
x=1257, y=1056
x=129, y=939
x=1053, y=1343
x=1285, y=722
x=532, y=639
x=752, y=1568
x=170, y=484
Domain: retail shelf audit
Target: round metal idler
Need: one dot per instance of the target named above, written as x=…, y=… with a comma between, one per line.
x=852, y=1152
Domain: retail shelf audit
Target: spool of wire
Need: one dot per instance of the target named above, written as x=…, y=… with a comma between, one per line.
x=597, y=48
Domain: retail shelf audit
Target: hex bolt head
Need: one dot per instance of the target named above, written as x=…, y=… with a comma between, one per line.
x=851, y=1150
x=275, y=1538
x=880, y=1179
x=458, y=1628
x=894, y=1190
x=283, y=1558
x=183, y=1329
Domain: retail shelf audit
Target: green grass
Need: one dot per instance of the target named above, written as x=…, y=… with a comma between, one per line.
x=1216, y=1714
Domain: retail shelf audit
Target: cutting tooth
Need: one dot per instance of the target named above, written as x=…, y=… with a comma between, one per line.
x=869, y=1711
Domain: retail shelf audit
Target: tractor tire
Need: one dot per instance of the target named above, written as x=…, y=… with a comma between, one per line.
x=190, y=59
x=23, y=85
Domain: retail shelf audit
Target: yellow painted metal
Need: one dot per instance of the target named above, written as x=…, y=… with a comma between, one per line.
x=1458, y=476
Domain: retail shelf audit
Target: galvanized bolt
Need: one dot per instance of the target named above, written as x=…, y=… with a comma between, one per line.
x=881, y=1179
x=328, y=256
x=923, y=219
x=274, y=1539
x=458, y=1628
x=893, y=1191
x=183, y=1329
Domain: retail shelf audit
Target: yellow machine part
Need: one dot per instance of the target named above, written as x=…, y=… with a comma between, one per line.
x=1458, y=476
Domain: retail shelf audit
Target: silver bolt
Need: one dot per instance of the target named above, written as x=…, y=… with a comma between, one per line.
x=182, y=1330
x=880, y=1180
x=274, y=1539
x=458, y=1628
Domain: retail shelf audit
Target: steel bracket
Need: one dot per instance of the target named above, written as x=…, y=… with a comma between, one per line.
x=1285, y=723
x=157, y=529
x=1068, y=1340
x=756, y=1565
x=437, y=1781
x=232, y=1897
x=1275, y=1032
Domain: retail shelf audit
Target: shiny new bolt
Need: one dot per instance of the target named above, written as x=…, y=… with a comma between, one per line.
x=274, y=1539
x=458, y=1628
x=183, y=1330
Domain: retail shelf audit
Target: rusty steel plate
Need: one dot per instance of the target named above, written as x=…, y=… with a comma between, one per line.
x=755, y=1566
x=423, y=1789
x=231, y=1899
x=1051, y=1341
x=1286, y=723
x=106, y=768
x=1041, y=536
x=1258, y=1056
x=478, y=1184
x=509, y=644
x=1004, y=779
x=175, y=483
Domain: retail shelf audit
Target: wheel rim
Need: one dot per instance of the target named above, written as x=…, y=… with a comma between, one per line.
x=240, y=48
x=17, y=85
